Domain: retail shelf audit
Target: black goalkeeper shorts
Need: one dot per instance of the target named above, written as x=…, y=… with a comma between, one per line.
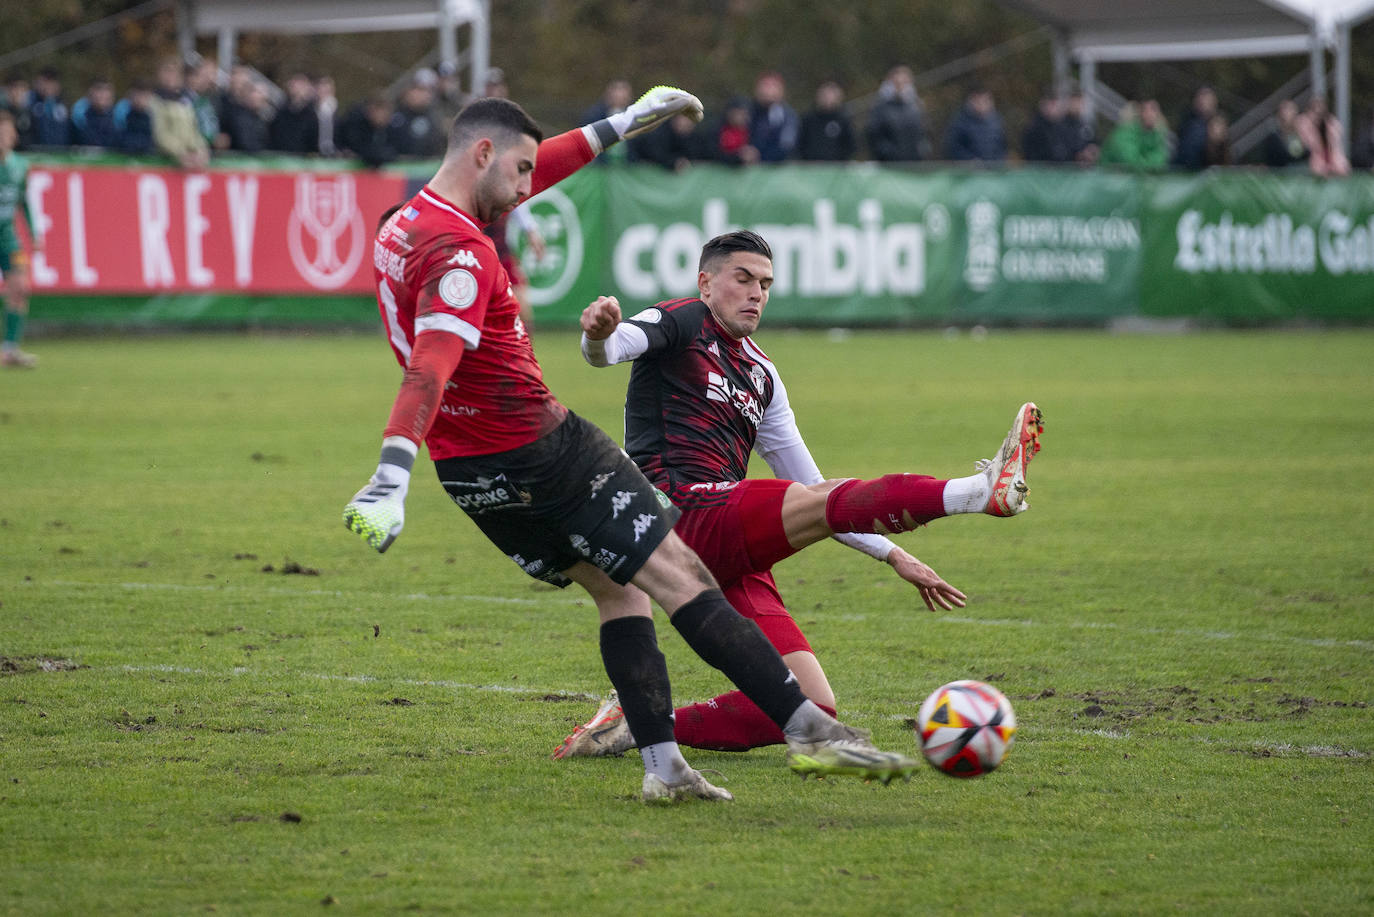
x=569, y=496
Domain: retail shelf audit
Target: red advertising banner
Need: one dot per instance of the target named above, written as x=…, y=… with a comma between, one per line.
x=149, y=230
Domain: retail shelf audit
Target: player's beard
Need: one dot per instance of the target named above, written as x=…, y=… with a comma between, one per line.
x=491, y=202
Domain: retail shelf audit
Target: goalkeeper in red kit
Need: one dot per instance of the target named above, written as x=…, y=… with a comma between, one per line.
x=549, y=489
x=702, y=396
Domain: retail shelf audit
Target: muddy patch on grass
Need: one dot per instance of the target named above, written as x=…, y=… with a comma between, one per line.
x=28, y=665
x=1184, y=703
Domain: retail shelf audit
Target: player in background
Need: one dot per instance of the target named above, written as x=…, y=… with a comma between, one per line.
x=701, y=396
x=552, y=491
x=14, y=267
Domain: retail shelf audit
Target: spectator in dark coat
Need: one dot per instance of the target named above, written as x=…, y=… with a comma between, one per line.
x=615, y=98
x=827, y=133
x=896, y=125
x=1080, y=140
x=1190, y=153
x=16, y=102
x=51, y=120
x=976, y=133
x=134, y=120
x=674, y=147
x=243, y=118
x=1284, y=147
x=773, y=124
x=365, y=131
x=93, y=122
x=295, y=128
x=1362, y=151
x=1043, y=139
x=414, y=129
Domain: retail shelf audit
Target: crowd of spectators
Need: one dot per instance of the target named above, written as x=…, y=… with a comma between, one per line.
x=190, y=112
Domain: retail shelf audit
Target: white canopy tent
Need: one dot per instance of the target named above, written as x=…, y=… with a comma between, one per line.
x=226, y=19
x=1089, y=31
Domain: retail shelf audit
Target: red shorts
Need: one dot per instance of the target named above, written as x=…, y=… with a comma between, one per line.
x=736, y=530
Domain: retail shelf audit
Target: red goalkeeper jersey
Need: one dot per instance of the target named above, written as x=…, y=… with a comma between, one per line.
x=436, y=270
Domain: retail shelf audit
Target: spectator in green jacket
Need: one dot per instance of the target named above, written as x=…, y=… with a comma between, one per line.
x=1140, y=140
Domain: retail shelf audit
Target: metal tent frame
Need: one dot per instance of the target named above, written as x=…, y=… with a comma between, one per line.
x=227, y=19
x=1089, y=31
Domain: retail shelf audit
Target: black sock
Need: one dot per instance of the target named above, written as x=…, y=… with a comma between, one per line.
x=629, y=650
x=728, y=641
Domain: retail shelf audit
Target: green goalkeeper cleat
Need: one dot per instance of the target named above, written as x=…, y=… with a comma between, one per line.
x=843, y=759
x=376, y=515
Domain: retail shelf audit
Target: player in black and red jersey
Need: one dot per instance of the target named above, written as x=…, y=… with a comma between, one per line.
x=702, y=396
x=549, y=489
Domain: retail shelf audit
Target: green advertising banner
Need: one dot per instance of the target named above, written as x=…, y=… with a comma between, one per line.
x=852, y=244
x=1252, y=247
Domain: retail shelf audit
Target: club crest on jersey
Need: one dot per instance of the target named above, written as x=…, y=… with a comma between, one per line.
x=719, y=388
x=324, y=218
x=756, y=376
x=458, y=288
x=465, y=258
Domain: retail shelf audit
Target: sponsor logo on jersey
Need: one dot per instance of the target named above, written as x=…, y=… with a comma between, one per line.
x=388, y=263
x=714, y=486
x=531, y=567
x=713, y=349
x=608, y=560
x=465, y=258
x=486, y=494
x=458, y=288
x=459, y=410
x=325, y=219
x=719, y=388
x=642, y=524
x=580, y=545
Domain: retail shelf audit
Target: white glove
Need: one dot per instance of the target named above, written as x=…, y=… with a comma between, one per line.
x=653, y=108
x=377, y=512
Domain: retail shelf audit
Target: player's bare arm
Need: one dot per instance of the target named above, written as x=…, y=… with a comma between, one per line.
x=934, y=590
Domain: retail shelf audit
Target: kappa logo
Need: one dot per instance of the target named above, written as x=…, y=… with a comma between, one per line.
x=719, y=388
x=642, y=523
x=465, y=258
x=325, y=218
x=621, y=500
x=599, y=482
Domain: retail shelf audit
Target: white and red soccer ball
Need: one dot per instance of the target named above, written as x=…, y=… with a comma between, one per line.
x=965, y=728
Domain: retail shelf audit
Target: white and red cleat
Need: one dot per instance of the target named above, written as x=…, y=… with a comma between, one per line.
x=1007, y=472
x=606, y=733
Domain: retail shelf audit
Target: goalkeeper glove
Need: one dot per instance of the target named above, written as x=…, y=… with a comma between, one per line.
x=377, y=512
x=646, y=113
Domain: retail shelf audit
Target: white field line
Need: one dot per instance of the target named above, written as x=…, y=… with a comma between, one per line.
x=331, y=593
x=254, y=674
x=577, y=599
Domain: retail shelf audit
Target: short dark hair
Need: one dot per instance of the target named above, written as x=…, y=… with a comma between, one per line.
x=721, y=247
x=491, y=115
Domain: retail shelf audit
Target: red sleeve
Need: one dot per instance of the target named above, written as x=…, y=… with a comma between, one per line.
x=432, y=363
x=560, y=157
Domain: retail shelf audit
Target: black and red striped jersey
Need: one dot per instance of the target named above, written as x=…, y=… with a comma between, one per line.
x=696, y=397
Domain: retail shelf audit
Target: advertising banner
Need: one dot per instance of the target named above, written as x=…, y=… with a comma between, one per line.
x=151, y=230
x=1252, y=246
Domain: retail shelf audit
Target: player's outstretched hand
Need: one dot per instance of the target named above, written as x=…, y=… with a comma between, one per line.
x=657, y=106
x=934, y=590
x=377, y=513
x=600, y=318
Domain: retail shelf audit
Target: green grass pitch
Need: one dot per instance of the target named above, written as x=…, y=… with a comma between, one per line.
x=215, y=698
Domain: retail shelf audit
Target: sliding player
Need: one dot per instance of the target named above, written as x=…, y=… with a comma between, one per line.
x=702, y=396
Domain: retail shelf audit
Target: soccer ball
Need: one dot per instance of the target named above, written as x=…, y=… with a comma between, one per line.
x=965, y=728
